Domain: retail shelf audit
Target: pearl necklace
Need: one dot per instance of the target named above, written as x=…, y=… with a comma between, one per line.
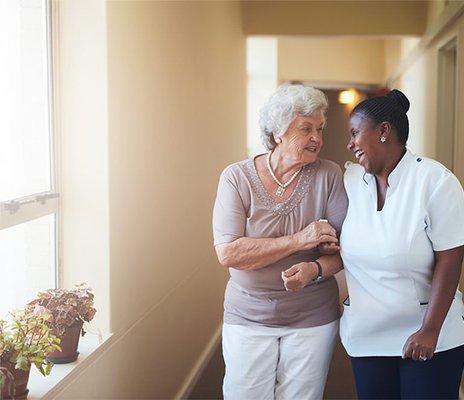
x=280, y=186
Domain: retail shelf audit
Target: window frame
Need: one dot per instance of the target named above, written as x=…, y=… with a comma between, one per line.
x=21, y=210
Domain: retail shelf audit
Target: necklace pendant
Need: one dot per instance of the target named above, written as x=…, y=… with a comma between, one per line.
x=280, y=191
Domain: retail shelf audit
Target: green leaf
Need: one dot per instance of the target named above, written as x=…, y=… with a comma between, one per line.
x=39, y=366
x=48, y=368
x=22, y=363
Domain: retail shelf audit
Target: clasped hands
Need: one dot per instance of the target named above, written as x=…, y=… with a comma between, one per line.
x=318, y=234
x=420, y=346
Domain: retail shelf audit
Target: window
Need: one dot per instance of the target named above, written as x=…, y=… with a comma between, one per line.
x=29, y=197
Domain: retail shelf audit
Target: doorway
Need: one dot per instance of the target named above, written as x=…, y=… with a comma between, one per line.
x=446, y=105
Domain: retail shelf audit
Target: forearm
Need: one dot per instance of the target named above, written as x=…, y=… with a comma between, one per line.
x=299, y=275
x=444, y=283
x=250, y=254
x=330, y=264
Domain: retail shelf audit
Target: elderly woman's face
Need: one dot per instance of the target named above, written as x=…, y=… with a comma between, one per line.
x=303, y=139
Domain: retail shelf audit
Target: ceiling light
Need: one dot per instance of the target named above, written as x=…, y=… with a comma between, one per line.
x=347, y=96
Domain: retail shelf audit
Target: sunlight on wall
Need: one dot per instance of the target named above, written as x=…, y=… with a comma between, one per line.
x=419, y=85
x=261, y=82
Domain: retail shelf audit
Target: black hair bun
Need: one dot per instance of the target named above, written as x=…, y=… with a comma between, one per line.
x=400, y=99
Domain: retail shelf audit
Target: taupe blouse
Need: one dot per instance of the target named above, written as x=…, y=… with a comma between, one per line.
x=243, y=208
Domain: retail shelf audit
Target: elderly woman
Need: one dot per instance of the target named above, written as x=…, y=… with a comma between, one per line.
x=402, y=246
x=276, y=219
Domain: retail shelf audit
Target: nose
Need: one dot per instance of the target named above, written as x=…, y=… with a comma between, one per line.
x=350, y=145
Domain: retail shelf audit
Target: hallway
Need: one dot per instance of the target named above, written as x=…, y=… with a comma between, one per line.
x=150, y=101
x=173, y=80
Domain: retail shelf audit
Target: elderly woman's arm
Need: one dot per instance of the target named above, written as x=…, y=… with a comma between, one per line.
x=249, y=253
x=298, y=276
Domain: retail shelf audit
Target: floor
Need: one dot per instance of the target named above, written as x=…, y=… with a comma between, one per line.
x=339, y=383
x=209, y=386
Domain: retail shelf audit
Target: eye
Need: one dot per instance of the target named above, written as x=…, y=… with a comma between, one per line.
x=320, y=130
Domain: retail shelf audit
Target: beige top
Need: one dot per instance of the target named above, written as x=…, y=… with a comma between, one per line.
x=243, y=208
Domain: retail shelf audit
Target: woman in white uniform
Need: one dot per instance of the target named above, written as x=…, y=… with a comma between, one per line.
x=402, y=247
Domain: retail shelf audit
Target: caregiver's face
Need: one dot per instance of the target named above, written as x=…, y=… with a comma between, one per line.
x=303, y=139
x=365, y=142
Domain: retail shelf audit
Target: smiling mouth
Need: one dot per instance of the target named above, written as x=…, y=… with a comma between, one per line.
x=358, y=154
x=312, y=148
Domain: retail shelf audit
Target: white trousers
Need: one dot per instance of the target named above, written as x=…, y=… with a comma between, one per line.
x=264, y=363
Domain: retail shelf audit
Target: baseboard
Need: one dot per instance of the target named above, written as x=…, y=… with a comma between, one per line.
x=199, y=366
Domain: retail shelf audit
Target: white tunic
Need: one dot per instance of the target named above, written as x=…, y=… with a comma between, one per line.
x=389, y=255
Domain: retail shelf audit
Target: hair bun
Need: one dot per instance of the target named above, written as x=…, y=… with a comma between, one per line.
x=400, y=99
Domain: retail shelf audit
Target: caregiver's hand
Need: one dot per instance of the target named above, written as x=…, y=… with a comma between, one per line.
x=314, y=234
x=298, y=276
x=328, y=248
x=421, y=345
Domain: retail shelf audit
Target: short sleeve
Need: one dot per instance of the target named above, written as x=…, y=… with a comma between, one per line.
x=337, y=202
x=229, y=215
x=445, y=214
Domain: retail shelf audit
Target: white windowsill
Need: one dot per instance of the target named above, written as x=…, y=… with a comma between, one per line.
x=48, y=387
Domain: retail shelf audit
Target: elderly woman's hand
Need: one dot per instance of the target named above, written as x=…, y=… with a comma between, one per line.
x=297, y=277
x=314, y=234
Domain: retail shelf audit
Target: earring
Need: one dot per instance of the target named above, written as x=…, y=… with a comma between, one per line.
x=383, y=139
x=278, y=140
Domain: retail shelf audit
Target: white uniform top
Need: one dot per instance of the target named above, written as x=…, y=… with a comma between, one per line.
x=389, y=255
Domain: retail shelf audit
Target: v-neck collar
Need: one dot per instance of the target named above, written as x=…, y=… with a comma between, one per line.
x=395, y=176
x=300, y=190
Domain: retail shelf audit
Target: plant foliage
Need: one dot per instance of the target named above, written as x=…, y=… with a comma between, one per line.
x=25, y=340
x=66, y=307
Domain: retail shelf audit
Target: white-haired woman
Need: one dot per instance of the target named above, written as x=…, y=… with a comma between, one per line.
x=276, y=220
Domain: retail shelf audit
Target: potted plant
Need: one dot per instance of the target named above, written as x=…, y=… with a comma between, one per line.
x=69, y=309
x=25, y=339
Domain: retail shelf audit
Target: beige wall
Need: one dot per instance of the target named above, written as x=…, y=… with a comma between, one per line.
x=434, y=10
x=419, y=83
x=396, y=52
x=176, y=118
x=334, y=17
x=81, y=110
x=339, y=60
x=419, y=80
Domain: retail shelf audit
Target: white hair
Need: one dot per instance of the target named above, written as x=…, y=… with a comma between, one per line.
x=288, y=102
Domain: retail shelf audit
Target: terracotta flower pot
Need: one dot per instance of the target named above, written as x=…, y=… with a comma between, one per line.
x=69, y=343
x=20, y=383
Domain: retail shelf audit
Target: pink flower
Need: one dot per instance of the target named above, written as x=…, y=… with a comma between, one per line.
x=39, y=310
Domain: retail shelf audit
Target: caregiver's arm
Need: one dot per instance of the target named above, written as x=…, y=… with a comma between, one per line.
x=250, y=253
x=444, y=283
